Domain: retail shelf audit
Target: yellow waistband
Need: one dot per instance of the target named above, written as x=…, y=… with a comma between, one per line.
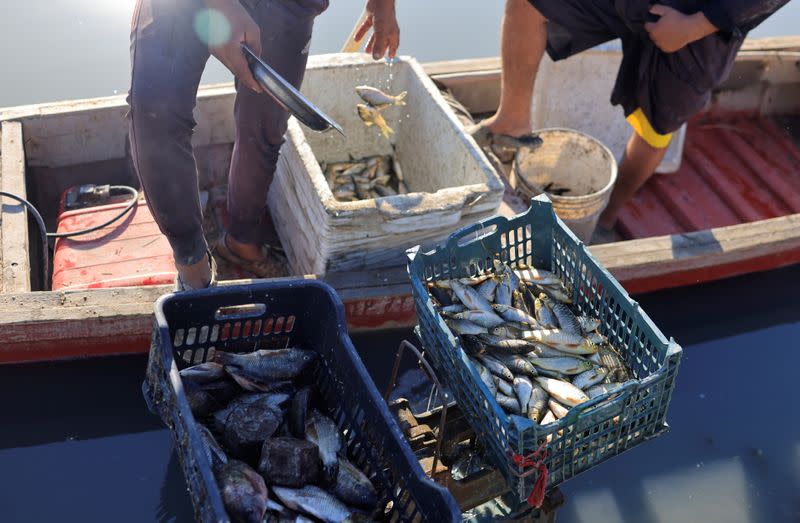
x=642, y=126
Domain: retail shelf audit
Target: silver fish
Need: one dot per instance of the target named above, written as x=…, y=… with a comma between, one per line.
x=511, y=345
x=544, y=315
x=486, y=377
x=549, y=417
x=470, y=297
x=502, y=293
x=516, y=364
x=496, y=367
x=603, y=388
x=523, y=387
x=567, y=321
x=537, y=276
x=314, y=501
x=588, y=324
x=353, y=487
x=563, y=365
x=564, y=341
x=487, y=289
x=518, y=301
x=558, y=409
x=504, y=386
x=465, y=327
x=508, y=403
x=453, y=309
x=379, y=99
x=596, y=338
x=543, y=351
x=244, y=493
x=538, y=403
x=482, y=318
x=322, y=431
x=589, y=378
x=371, y=116
x=516, y=315
x=563, y=392
x=506, y=331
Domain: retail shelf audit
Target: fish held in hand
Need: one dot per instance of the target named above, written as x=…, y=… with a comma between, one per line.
x=379, y=99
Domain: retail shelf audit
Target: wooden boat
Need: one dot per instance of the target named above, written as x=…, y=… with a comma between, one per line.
x=731, y=209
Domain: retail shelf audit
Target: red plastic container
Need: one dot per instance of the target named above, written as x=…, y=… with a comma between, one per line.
x=129, y=252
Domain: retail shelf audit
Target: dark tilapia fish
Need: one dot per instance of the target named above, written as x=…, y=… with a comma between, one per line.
x=322, y=431
x=353, y=487
x=222, y=390
x=267, y=365
x=316, y=502
x=201, y=402
x=203, y=373
x=289, y=462
x=249, y=420
x=214, y=453
x=243, y=492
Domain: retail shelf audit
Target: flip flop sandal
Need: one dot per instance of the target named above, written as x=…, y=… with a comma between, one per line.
x=180, y=286
x=263, y=269
x=503, y=146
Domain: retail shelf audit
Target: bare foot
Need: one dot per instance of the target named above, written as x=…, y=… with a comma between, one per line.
x=247, y=251
x=197, y=275
x=504, y=126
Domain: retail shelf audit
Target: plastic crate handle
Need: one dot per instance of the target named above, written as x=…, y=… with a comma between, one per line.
x=456, y=238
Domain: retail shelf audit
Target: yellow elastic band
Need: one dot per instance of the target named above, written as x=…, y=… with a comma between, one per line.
x=642, y=126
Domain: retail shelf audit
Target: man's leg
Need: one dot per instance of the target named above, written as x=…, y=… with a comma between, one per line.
x=522, y=45
x=286, y=27
x=638, y=164
x=167, y=61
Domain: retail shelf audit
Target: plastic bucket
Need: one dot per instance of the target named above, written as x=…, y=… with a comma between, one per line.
x=576, y=171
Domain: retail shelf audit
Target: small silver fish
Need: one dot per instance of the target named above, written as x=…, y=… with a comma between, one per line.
x=496, y=367
x=589, y=378
x=482, y=318
x=371, y=116
x=486, y=377
x=504, y=386
x=514, y=314
x=603, y=388
x=516, y=363
x=487, y=289
x=465, y=327
x=567, y=321
x=558, y=409
x=563, y=392
x=588, y=324
x=523, y=387
x=563, y=365
x=544, y=315
x=322, y=431
x=538, y=403
x=470, y=297
x=314, y=501
x=508, y=403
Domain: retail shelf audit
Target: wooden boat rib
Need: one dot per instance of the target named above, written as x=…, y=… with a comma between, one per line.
x=48, y=147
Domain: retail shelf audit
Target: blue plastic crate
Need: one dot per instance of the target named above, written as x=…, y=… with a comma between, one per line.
x=592, y=432
x=191, y=325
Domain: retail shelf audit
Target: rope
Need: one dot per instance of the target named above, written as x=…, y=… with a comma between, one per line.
x=536, y=460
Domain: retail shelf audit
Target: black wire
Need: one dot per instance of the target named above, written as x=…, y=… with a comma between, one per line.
x=122, y=213
x=43, y=230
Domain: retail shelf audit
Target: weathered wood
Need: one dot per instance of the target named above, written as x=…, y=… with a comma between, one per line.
x=14, y=260
x=652, y=257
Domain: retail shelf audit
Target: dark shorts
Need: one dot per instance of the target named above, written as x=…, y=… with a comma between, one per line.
x=668, y=88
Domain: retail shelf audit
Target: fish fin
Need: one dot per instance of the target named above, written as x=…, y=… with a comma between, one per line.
x=400, y=99
x=383, y=126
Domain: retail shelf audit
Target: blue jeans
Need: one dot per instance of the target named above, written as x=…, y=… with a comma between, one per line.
x=168, y=59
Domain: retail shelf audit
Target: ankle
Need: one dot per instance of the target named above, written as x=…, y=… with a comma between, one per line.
x=516, y=127
x=247, y=251
x=197, y=275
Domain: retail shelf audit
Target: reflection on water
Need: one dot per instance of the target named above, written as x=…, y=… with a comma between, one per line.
x=78, y=443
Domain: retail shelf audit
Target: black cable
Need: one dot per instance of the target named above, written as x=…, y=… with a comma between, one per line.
x=43, y=230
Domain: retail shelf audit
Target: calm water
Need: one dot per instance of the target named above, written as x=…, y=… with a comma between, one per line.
x=65, y=49
x=79, y=445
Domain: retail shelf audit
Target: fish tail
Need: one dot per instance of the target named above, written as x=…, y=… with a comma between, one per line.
x=400, y=99
x=383, y=126
x=224, y=358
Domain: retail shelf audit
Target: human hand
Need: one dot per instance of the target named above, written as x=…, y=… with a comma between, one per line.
x=674, y=30
x=385, y=37
x=243, y=30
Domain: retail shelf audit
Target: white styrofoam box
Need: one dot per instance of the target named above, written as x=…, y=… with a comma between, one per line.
x=575, y=93
x=451, y=183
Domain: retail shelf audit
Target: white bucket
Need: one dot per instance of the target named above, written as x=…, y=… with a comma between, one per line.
x=572, y=162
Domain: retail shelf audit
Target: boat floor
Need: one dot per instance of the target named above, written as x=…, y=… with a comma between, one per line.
x=736, y=168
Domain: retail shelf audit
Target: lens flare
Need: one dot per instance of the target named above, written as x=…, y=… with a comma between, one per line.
x=212, y=27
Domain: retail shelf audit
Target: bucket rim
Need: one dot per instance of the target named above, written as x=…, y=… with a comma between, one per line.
x=573, y=199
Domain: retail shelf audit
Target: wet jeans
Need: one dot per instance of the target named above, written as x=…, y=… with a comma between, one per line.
x=167, y=61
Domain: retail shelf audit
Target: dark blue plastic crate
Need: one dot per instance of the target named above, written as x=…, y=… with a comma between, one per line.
x=591, y=433
x=191, y=325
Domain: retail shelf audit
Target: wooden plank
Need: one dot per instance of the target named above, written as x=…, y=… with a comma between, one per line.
x=658, y=256
x=14, y=260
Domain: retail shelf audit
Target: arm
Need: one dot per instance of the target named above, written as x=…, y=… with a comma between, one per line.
x=242, y=30
x=385, y=37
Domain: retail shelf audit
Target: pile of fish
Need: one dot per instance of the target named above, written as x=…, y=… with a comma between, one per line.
x=276, y=457
x=376, y=101
x=536, y=356
x=367, y=178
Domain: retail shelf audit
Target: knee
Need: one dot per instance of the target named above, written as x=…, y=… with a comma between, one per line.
x=158, y=113
x=523, y=9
